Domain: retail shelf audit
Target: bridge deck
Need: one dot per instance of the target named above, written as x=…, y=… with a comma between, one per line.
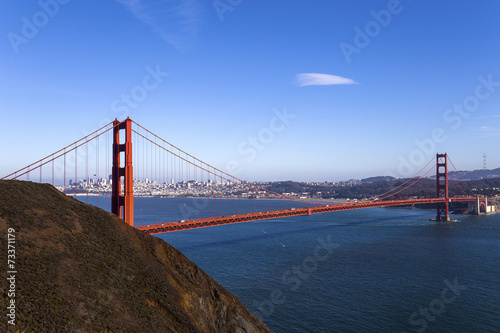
x=239, y=218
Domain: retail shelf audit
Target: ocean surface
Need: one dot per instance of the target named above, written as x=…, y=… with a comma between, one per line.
x=371, y=270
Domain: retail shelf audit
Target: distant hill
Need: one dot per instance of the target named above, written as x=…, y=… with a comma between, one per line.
x=81, y=269
x=476, y=174
x=377, y=179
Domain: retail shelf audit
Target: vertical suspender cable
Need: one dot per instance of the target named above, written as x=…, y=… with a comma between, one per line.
x=97, y=171
x=52, y=170
x=64, y=180
x=108, y=203
x=180, y=184
x=215, y=193
x=221, y=196
x=87, y=179
x=76, y=170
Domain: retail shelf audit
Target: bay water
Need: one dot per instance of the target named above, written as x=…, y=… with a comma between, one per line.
x=370, y=270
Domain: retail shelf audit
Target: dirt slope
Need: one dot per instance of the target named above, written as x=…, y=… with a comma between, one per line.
x=81, y=269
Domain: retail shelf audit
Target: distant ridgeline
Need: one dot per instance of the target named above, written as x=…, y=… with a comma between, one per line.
x=374, y=186
x=476, y=174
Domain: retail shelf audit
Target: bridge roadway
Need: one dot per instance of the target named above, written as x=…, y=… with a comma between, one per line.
x=159, y=228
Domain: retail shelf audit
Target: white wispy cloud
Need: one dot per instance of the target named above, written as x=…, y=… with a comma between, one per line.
x=318, y=79
x=489, y=131
x=175, y=21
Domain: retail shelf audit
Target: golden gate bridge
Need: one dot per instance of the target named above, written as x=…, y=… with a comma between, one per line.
x=145, y=165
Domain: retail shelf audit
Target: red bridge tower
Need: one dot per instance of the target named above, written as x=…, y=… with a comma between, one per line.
x=122, y=202
x=443, y=213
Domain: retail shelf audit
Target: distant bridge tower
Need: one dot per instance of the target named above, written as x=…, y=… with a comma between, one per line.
x=122, y=204
x=443, y=213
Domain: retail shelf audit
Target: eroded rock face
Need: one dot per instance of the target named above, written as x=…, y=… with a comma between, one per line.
x=82, y=269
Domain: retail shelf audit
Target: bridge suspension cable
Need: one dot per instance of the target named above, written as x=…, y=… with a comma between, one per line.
x=70, y=168
x=419, y=179
x=226, y=176
x=49, y=158
x=463, y=181
x=387, y=195
x=168, y=185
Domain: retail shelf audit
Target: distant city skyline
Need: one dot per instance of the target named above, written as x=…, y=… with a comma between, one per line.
x=265, y=91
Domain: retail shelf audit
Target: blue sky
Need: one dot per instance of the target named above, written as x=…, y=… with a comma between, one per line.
x=328, y=91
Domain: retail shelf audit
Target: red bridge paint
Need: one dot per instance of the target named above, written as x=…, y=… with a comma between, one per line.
x=222, y=185
x=210, y=222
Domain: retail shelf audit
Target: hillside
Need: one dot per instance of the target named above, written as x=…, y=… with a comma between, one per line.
x=81, y=269
x=377, y=179
x=476, y=174
x=424, y=188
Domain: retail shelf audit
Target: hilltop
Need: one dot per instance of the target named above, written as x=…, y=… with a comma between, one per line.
x=81, y=269
x=377, y=179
